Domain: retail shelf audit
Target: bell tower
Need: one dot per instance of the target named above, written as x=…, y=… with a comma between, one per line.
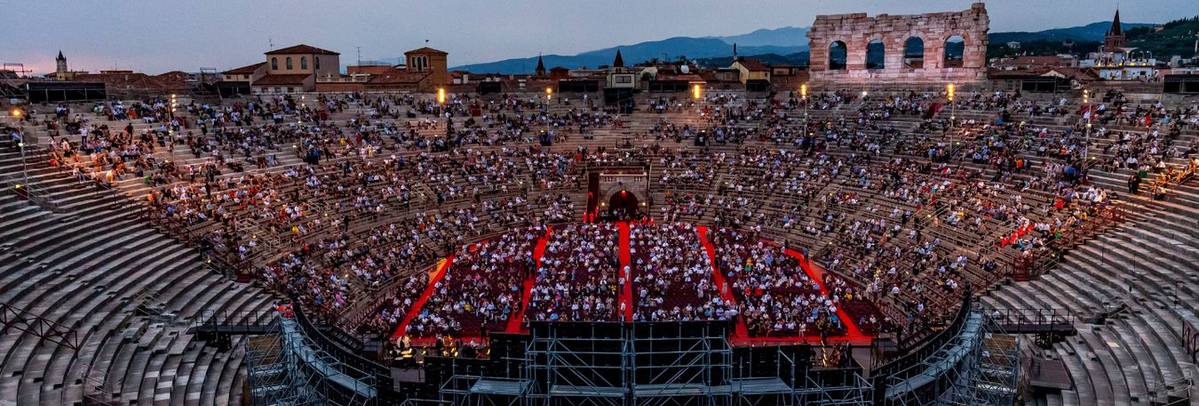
x=60, y=69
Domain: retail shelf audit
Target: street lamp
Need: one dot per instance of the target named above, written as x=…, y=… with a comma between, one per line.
x=950, y=89
x=1086, y=100
x=24, y=165
x=803, y=94
x=440, y=101
x=549, y=93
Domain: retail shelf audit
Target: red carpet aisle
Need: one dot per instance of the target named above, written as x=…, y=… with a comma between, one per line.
x=726, y=293
x=852, y=333
x=515, y=320
x=626, y=289
x=438, y=273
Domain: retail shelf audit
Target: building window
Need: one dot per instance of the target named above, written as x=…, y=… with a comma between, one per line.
x=316, y=62
x=274, y=63
x=420, y=63
x=289, y=63
x=304, y=62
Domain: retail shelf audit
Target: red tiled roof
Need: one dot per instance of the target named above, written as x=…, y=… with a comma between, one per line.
x=689, y=77
x=753, y=65
x=275, y=80
x=138, y=81
x=426, y=50
x=398, y=77
x=302, y=49
x=244, y=69
x=1081, y=74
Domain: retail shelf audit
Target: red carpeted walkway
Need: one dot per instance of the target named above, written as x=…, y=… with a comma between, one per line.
x=852, y=333
x=515, y=321
x=726, y=293
x=438, y=273
x=626, y=289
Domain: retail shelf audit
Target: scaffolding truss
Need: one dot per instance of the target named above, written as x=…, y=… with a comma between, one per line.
x=852, y=390
x=653, y=364
x=990, y=374
x=978, y=365
x=287, y=368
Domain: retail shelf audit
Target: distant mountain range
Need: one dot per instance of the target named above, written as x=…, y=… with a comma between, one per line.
x=786, y=40
x=786, y=45
x=1089, y=32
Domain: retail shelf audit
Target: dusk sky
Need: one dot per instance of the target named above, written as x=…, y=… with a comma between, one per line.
x=159, y=36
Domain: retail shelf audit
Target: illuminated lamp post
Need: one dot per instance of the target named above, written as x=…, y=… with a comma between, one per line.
x=803, y=94
x=950, y=89
x=440, y=100
x=1086, y=100
x=16, y=114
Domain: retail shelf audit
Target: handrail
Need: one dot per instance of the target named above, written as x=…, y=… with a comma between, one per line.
x=380, y=372
x=929, y=345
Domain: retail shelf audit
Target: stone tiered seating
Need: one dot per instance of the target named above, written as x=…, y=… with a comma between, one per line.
x=86, y=259
x=1133, y=357
x=92, y=266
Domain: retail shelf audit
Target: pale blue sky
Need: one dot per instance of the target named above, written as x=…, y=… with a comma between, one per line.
x=163, y=35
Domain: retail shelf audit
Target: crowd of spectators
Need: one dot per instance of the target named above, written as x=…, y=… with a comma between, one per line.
x=333, y=196
x=580, y=276
x=672, y=276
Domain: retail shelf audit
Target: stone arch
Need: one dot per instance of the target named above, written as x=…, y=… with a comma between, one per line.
x=930, y=31
x=876, y=54
x=913, y=52
x=838, y=55
x=620, y=203
x=953, y=51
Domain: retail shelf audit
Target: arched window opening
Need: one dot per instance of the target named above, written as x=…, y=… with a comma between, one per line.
x=955, y=48
x=837, y=54
x=876, y=54
x=913, y=53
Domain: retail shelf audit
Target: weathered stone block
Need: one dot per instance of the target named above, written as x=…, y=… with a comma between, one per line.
x=857, y=30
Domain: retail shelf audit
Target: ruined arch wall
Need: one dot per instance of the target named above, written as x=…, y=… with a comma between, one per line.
x=857, y=30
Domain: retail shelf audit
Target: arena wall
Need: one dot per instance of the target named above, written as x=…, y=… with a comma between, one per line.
x=857, y=30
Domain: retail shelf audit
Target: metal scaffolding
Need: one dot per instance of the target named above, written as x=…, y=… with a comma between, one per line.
x=591, y=368
x=652, y=364
x=977, y=364
x=990, y=374
x=677, y=369
x=287, y=368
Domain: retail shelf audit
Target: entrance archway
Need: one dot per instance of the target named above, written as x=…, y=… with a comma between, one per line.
x=623, y=205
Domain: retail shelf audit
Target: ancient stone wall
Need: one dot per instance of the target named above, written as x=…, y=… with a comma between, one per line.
x=857, y=30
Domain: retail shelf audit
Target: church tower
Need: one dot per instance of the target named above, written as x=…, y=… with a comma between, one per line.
x=1114, y=40
x=540, y=70
x=60, y=69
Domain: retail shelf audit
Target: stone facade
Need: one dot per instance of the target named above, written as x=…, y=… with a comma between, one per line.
x=857, y=30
